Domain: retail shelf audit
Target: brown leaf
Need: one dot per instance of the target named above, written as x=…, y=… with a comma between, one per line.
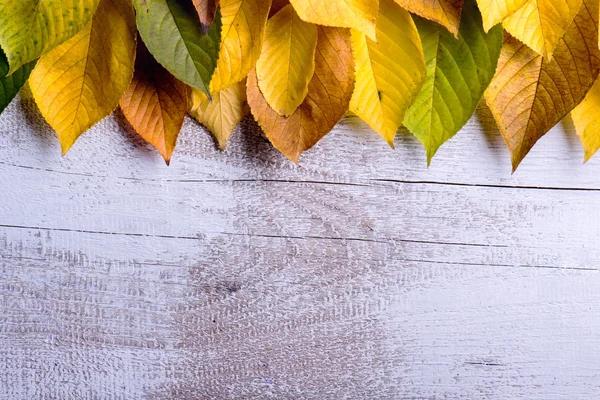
x=444, y=12
x=277, y=5
x=329, y=93
x=207, y=9
x=155, y=103
x=529, y=95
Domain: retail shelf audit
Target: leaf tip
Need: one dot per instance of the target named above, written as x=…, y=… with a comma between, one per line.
x=204, y=28
x=65, y=147
x=515, y=165
x=390, y=142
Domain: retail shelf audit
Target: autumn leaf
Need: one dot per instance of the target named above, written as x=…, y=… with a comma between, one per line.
x=458, y=72
x=244, y=24
x=30, y=28
x=586, y=121
x=329, y=93
x=286, y=63
x=529, y=95
x=358, y=14
x=444, y=12
x=277, y=5
x=221, y=115
x=495, y=11
x=78, y=83
x=541, y=23
x=389, y=73
x=207, y=10
x=11, y=84
x=155, y=103
x=174, y=37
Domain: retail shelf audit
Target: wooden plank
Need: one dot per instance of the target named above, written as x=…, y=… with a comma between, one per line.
x=360, y=274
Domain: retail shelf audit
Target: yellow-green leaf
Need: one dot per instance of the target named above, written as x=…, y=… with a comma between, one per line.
x=81, y=81
x=495, y=11
x=287, y=61
x=389, y=73
x=444, y=12
x=529, y=95
x=30, y=28
x=358, y=14
x=327, y=101
x=541, y=23
x=458, y=72
x=222, y=115
x=587, y=121
x=244, y=23
x=155, y=103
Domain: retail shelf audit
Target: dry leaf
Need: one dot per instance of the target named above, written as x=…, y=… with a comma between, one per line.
x=541, y=23
x=207, y=9
x=358, y=14
x=244, y=23
x=329, y=93
x=444, y=12
x=586, y=121
x=529, y=95
x=277, y=5
x=286, y=63
x=81, y=81
x=221, y=115
x=155, y=103
x=389, y=73
x=495, y=11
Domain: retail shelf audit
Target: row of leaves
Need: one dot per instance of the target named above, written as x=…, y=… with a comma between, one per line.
x=298, y=66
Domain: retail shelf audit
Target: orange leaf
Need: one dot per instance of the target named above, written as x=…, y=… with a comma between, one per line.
x=529, y=95
x=207, y=9
x=155, y=103
x=329, y=93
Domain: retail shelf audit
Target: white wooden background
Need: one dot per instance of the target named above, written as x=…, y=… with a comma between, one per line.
x=360, y=274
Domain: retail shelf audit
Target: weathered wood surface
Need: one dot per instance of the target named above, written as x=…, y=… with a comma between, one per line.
x=360, y=274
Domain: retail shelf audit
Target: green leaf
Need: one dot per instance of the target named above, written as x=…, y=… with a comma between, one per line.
x=30, y=28
x=10, y=85
x=173, y=35
x=458, y=72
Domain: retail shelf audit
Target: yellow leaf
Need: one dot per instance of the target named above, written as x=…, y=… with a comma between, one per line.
x=155, y=103
x=329, y=94
x=529, y=95
x=287, y=60
x=358, y=14
x=242, y=34
x=221, y=116
x=80, y=82
x=495, y=11
x=389, y=73
x=444, y=12
x=541, y=23
x=587, y=122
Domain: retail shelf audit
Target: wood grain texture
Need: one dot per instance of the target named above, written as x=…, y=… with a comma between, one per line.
x=239, y=275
